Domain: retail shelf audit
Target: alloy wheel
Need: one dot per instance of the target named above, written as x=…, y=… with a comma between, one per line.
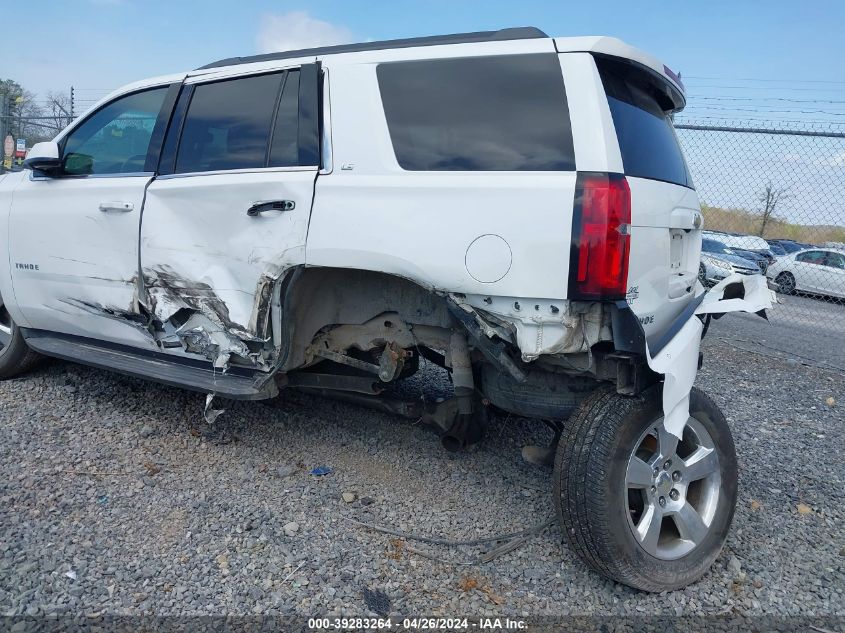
x=672, y=489
x=786, y=284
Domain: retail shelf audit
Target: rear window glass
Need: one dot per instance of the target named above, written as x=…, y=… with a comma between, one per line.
x=646, y=136
x=502, y=113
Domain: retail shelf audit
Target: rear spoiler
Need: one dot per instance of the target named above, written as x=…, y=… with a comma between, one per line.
x=660, y=82
x=667, y=80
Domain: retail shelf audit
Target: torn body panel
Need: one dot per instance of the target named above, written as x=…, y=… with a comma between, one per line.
x=678, y=359
x=540, y=327
x=204, y=254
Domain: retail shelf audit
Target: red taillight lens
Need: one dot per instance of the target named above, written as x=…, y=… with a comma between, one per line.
x=598, y=264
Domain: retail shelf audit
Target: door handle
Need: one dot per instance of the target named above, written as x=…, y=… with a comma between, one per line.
x=123, y=207
x=270, y=205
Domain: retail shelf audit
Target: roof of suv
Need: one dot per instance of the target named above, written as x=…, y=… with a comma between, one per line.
x=590, y=44
x=517, y=33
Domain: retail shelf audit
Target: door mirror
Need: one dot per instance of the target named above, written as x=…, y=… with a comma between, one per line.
x=44, y=158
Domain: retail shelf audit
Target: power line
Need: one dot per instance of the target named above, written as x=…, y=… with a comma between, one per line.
x=785, y=99
x=795, y=81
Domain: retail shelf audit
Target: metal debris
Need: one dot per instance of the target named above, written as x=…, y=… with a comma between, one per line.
x=210, y=414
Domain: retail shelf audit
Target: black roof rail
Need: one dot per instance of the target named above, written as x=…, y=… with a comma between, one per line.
x=516, y=33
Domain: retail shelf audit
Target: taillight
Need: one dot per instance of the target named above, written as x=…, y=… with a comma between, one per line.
x=598, y=263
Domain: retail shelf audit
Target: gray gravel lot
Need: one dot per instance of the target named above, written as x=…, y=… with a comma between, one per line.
x=115, y=498
x=804, y=329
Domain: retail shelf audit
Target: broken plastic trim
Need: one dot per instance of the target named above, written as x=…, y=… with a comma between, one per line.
x=494, y=351
x=678, y=359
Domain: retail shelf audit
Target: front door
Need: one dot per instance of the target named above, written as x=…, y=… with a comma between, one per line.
x=74, y=238
x=229, y=212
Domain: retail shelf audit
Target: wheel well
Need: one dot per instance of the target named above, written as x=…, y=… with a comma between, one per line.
x=315, y=298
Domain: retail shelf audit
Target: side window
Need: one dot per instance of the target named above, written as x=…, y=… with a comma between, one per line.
x=811, y=257
x=284, y=149
x=116, y=138
x=501, y=113
x=228, y=124
x=836, y=260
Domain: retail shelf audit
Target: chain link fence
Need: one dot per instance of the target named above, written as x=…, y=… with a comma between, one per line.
x=773, y=197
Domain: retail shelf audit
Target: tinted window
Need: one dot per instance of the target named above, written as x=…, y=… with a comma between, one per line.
x=811, y=257
x=835, y=260
x=712, y=246
x=115, y=139
x=284, y=151
x=228, y=124
x=777, y=249
x=647, y=139
x=506, y=113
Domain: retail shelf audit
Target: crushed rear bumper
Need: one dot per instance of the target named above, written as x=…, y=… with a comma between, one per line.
x=675, y=354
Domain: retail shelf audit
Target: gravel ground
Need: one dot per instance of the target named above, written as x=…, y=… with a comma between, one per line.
x=809, y=330
x=115, y=498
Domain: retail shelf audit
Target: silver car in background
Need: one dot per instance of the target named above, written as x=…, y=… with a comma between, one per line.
x=718, y=262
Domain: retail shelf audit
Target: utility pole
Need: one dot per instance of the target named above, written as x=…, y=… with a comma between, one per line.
x=4, y=99
x=3, y=113
x=72, y=114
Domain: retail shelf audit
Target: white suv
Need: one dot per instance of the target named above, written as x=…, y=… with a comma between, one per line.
x=512, y=207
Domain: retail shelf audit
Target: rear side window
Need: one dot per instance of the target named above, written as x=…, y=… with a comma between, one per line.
x=502, y=113
x=228, y=124
x=646, y=137
x=284, y=148
x=835, y=260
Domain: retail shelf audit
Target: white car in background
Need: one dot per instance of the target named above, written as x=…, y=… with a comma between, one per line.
x=815, y=270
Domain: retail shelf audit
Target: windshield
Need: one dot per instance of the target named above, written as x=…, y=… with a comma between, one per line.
x=712, y=246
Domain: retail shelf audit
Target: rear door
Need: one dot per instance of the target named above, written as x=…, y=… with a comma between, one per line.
x=229, y=212
x=835, y=274
x=810, y=271
x=665, y=211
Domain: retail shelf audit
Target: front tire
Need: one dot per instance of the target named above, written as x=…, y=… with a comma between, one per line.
x=786, y=283
x=15, y=355
x=639, y=506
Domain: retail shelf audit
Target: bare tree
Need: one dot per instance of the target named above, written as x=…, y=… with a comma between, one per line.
x=57, y=107
x=770, y=198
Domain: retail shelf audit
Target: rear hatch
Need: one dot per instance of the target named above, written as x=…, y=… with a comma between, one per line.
x=665, y=231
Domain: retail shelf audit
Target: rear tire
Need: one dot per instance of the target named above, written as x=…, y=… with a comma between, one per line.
x=15, y=355
x=606, y=504
x=786, y=283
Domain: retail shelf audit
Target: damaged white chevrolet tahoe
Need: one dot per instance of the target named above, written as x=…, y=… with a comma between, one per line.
x=512, y=207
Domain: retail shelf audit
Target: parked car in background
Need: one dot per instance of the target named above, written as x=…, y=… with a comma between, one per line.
x=785, y=247
x=745, y=242
x=753, y=256
x=718, y=261
x=818, y=271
